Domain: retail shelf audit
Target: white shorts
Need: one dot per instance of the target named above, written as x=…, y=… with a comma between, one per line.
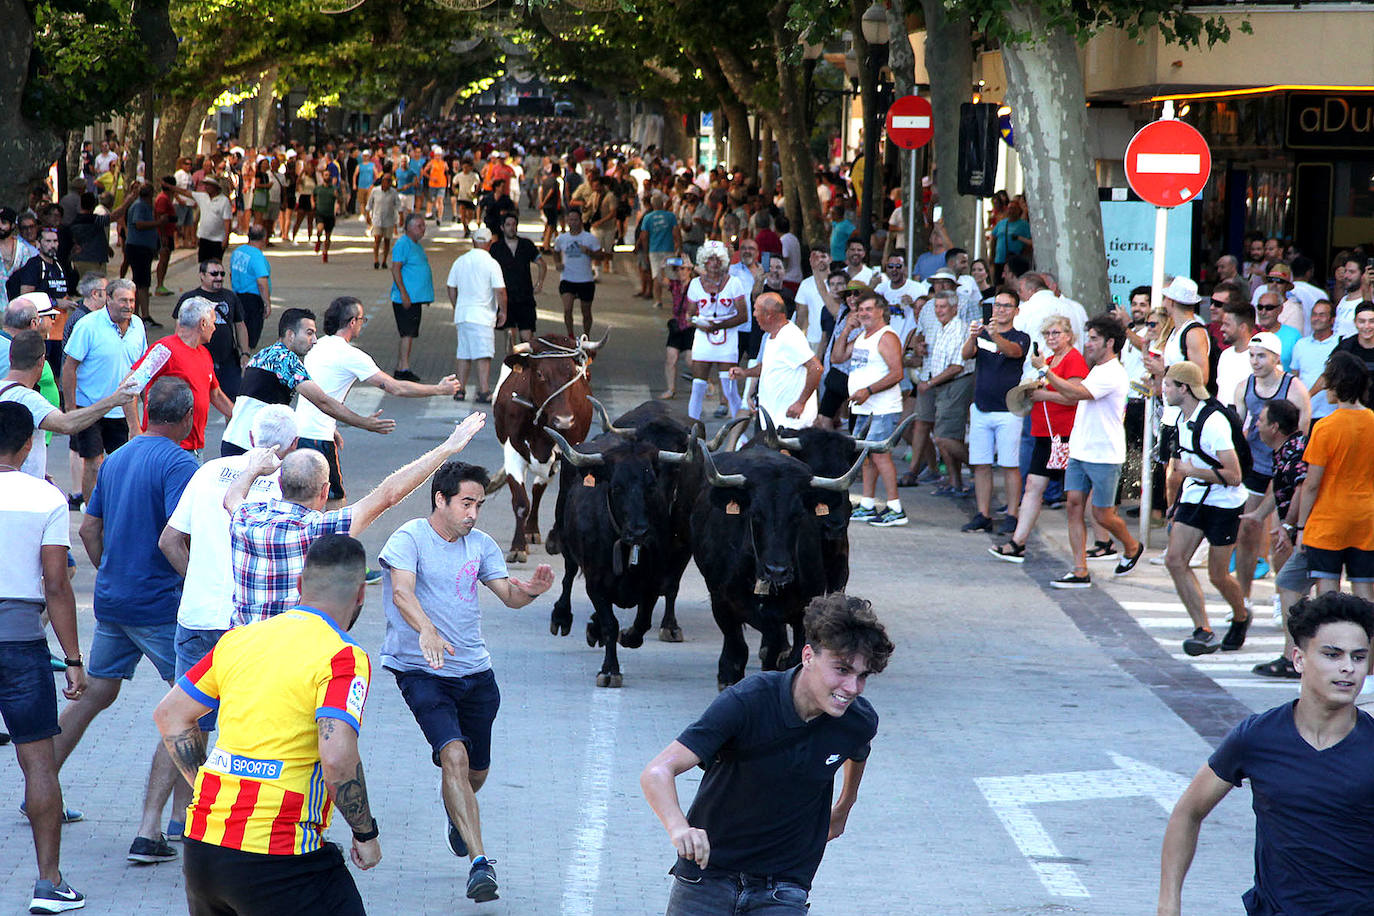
x=658, y=263
x=997, y=431
x=706, y=350
x=476, y=340
x=407, y=202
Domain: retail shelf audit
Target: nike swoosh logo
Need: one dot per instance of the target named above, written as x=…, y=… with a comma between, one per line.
x=833, y=758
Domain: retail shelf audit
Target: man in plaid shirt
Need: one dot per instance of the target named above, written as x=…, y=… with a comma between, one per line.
x=951, y=379
x=268, y=540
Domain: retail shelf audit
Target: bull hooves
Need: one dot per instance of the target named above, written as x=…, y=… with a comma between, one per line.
x=670, y=634
x=630, y=639
x=593, y=636
x=560, y=627
x=534, y=538
x=518, y=556
x=609, y=680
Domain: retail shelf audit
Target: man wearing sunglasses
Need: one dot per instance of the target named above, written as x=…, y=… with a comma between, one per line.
x=1269, y=306
x=228, y=347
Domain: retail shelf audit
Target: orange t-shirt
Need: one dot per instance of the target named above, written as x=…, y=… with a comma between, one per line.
x=436, y=172
x=1343, y=515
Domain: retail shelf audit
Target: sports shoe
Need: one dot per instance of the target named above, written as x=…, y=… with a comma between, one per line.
x=1202, y=642
x=1281, y=667
x=1053, y=503
x=863, y=514
x=74, y=501
x=69, y=815
x=721, y=411
x=1159, y=560
x=482, y=881
x=979, y=522
x=1103, y=550
x=55, y=898
x=1072, y=580
x=373, y=576
x=455, y=842
x=1235, y=634
x=891, y=518
x=162, y=291
x=1008, y=526
x=1126, y=564
x=4, y=738
x=149, y=852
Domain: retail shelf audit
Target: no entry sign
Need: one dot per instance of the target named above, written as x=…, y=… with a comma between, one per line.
x=910, y=123
x=1167, y=163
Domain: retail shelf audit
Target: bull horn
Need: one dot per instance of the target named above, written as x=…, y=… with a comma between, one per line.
x=573, y=456
x=698, y=430
x=667, y=457
x=715, y=441
x=887, y=444
x=606, y=426
x=768, y=429
x=840, y=483
x=792, y=442
x=716, y=478
x=591, y=346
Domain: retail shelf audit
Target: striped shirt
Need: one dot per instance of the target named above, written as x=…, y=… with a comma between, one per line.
x=268, y=541
x=262, y=788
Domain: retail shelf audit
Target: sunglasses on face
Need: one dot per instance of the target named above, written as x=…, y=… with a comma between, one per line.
x=1152, y=324
x=896, y=265
x=214, y=273
x=1220, y=303
x=1266, y=308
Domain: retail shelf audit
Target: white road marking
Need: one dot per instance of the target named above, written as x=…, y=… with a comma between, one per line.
x=583, y=876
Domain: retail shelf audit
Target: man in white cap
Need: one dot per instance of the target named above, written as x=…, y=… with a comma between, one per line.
x=477, y=292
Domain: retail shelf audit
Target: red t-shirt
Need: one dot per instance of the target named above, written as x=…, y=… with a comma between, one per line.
x=769, y=241
x=198, y=369
x=163, y=206
x=1060, y=416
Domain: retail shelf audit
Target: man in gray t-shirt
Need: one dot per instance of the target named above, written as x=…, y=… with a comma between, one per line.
x=434, y=646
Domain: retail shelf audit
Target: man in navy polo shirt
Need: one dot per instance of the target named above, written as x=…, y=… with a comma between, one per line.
x=771, y=746
x=1308, y=766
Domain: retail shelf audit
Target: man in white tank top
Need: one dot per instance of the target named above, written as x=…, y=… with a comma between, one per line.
x=875, y=372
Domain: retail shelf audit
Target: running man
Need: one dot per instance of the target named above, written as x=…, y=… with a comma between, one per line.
x=575, y=250
x=434, y=647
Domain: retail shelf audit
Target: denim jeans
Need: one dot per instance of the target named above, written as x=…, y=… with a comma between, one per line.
x=734, y=894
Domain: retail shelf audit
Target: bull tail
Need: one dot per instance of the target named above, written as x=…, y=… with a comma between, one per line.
x=497, y=482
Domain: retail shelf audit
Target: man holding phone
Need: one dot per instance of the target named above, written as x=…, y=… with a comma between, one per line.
x=998, y=351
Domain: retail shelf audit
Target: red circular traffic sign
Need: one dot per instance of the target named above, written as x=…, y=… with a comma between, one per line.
x=910, y=122
x=1167, y=163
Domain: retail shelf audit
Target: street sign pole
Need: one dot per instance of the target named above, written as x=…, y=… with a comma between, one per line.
x=910, y=125
x=912, y=202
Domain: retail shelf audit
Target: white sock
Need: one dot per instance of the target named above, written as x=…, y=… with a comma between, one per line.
x=698, y=396
x=895, y=505
x=731, y=392
x=866, y=502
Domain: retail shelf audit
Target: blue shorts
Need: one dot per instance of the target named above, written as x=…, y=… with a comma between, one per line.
x=191, y=646
x=1097, y=477
x=28, y=697
x=116, y=649
x=453, y=709
x=875, y=427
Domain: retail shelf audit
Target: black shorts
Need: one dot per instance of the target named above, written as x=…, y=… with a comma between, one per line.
x=100, y=438
x=326, y=222
x=551, y=215
x=331, y=457
x=452, y=709
x=408, y=319
x=583, y=292
x=1040, y=456
x=221, y=880
x=253, y=315
x=140, y=264
x=834, y=392
x=306, y=202
x=1219, y=526
x=1256, y=482
x=1357, y=564
x=209, y=250
x=28, y=702
x=680, y=340
x=519, y=315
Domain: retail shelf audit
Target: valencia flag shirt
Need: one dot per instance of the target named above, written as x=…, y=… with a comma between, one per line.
x=261, y=789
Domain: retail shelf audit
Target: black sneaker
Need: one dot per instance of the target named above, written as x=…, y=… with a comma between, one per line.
x=1235, y=634
x=482, y=882
x=979, y=522
x=1202, y=642
x=1281, y=667
x=455, y=842
x=1128, y=563
x=149, y=852
x=1072, y=580
x=1008, y=526
x=55, y=898
x=74, y=501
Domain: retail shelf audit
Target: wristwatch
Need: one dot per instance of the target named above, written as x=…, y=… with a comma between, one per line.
x=1292, y=531
x=368, y=836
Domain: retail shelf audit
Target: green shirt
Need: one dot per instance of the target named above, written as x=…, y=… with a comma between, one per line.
x=325, y=196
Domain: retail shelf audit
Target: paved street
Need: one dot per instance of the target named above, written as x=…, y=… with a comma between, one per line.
x=996, y=686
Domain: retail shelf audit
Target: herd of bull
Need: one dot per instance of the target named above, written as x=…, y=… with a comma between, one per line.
x=767, y=524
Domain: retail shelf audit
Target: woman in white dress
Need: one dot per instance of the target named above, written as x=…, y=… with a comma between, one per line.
x=716, y=307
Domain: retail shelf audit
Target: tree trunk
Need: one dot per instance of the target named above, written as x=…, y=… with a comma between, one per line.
x=167, y=146
x=674, y=137
x=741, y=151
x=190, y=131
x=73, y=163
x=1045, y=91
x=793, y=131
x=25, y=150
x=871, y=179
x=949, y=53
x=264, y=108
x=766, y=157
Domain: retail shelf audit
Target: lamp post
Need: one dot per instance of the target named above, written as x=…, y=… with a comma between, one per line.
x=876, y=37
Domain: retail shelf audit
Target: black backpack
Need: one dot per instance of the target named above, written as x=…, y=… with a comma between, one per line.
x=1213, y=353
x=1238, y=440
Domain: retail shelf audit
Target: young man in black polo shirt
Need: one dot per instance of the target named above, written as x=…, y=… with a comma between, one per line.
x=1307, y=762
x=771, y=746
x=516, y=255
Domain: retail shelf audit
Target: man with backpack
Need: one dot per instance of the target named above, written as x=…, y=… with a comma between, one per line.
x=1213, y=457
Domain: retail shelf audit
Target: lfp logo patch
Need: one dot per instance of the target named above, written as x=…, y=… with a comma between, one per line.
x=357, y=696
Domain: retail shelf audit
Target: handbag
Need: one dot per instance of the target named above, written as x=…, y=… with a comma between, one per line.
x=1059, y=446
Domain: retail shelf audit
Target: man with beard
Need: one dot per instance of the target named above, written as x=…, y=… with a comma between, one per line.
x=1358, y=283
x=516, y=255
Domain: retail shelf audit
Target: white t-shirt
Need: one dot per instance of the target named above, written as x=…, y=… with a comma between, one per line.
x=809, y=295
x=911, y=290
x=213, y=212
x=1215, y=439
x=576, y=251
x=33, y=515
x=1099, y=430
x=1345, y=315
x=782, y=375
x=207, y=597
x=36, y=464
x=335, y=364
x=1233, y=367
x=866, y=275
x=476, y=276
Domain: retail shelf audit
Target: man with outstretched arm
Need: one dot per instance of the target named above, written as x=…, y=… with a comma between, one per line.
x=290, y=693
x=770, y=746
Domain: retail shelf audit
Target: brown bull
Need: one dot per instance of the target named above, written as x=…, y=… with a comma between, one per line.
x=545, y=384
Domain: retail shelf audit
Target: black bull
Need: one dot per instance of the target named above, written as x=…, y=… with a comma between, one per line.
x=757, y=538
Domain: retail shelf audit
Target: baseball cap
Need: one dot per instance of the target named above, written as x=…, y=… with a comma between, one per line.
x=1188, y=374
x=481, y=235
x=1267, y=340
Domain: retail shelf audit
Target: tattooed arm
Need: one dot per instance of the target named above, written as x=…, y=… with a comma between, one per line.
x=343, y=775
x=176, y=719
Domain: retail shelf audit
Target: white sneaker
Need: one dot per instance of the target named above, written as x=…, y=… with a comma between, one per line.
x=1199, y=559
x=1159, y=560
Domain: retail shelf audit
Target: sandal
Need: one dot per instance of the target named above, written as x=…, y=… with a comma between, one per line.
x=1011, y=551
x=461, y=394
x=1101, y=550
x=483, y=397
x=1280, y=667
x=908, y=480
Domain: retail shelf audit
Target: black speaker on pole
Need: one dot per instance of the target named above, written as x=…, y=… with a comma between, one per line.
x=978, y=139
